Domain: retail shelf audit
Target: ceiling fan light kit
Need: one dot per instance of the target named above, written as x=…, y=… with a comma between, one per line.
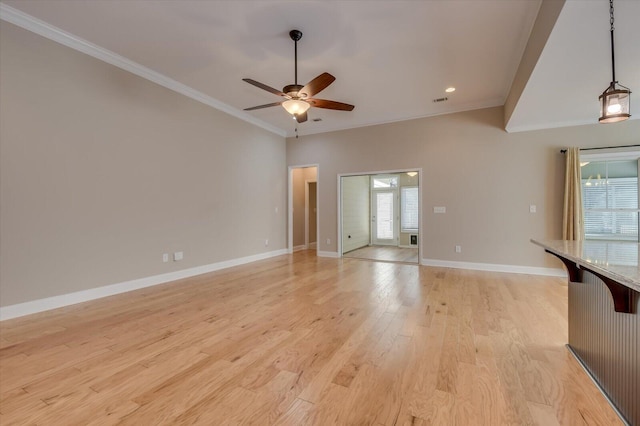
x=296, y=106
x=615, y=101
x=299, y=98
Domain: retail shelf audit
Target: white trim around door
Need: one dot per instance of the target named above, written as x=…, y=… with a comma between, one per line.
x=290, y=247
x=382, y=172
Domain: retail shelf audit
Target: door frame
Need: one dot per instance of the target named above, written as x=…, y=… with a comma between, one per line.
x=382, y=172
x=306, y=211
x=290, y=204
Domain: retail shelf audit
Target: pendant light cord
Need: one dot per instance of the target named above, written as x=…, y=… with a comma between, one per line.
x=613, y=62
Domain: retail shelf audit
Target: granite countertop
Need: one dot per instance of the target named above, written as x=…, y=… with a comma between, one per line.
x=615, y=260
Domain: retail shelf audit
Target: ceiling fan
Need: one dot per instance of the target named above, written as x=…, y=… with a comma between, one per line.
x=300, y=98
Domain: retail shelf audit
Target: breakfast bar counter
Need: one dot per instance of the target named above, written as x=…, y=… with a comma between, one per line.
x=604, y=324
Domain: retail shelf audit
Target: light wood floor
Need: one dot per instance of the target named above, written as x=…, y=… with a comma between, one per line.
x=299, y=340
x=385, y=253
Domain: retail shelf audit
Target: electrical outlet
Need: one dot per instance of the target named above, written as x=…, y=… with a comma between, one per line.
x=178, y=256
x=328, y=241
x=266, y=242
x=532, y=208
x=458, y=249
x=165, y=257
x=440, y=209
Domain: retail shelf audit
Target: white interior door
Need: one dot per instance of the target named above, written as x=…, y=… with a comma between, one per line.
x=384, y=218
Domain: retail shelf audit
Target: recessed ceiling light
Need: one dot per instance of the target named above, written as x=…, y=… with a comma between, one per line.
x=450, y=89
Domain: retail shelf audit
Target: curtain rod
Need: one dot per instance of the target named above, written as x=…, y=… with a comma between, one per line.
x=603, y=147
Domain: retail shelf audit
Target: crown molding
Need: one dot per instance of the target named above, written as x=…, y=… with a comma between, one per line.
x=37, y=26
x=471, y=106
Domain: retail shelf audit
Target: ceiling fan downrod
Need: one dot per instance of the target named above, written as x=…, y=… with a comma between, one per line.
x=295, y=36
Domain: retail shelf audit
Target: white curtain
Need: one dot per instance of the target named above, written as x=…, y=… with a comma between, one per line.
x=572, y=215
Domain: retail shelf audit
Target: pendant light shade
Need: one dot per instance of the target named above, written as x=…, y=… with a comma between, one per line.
x=615, y=102
x=296, y=106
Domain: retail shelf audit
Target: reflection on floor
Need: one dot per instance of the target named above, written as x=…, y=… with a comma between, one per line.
x=386, y=253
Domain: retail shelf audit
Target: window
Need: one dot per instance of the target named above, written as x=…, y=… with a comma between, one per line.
x=610, y=199
x=409, y=208
x=385, y=182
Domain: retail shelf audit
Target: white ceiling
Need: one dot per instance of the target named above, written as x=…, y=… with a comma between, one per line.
x=575, y=66
x=390, y=58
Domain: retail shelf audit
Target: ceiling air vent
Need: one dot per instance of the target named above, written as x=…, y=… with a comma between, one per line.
x=441, y=100
x=317, y=119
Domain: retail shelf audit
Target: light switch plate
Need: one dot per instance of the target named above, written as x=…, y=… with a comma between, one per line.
x=440, y=209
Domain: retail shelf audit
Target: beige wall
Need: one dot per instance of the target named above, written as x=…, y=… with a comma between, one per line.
x=102, y=172
x=485, y=177
x=300, y=176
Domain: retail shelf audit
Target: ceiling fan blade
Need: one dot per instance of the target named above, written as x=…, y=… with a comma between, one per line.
x=323, y=103
x=317, y=85
x=301, y=118
x=265, y=87
x=263, y=106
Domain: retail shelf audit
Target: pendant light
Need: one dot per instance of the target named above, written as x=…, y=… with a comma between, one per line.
x=615, y=102
x=296, y=106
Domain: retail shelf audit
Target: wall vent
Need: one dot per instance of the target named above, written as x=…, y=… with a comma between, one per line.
x=441, y=100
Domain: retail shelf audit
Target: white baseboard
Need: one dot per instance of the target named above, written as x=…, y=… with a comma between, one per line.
x=40, y=305
x=298, y=248
x=415, y=246
x=313, y=246
x=493, y=267
x=328, y=254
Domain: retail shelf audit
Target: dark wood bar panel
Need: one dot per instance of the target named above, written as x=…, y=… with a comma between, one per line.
x=607, y=343
x=604, y=324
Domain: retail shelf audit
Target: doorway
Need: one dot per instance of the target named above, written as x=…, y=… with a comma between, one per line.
x=303, y=208
x=380, y=216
